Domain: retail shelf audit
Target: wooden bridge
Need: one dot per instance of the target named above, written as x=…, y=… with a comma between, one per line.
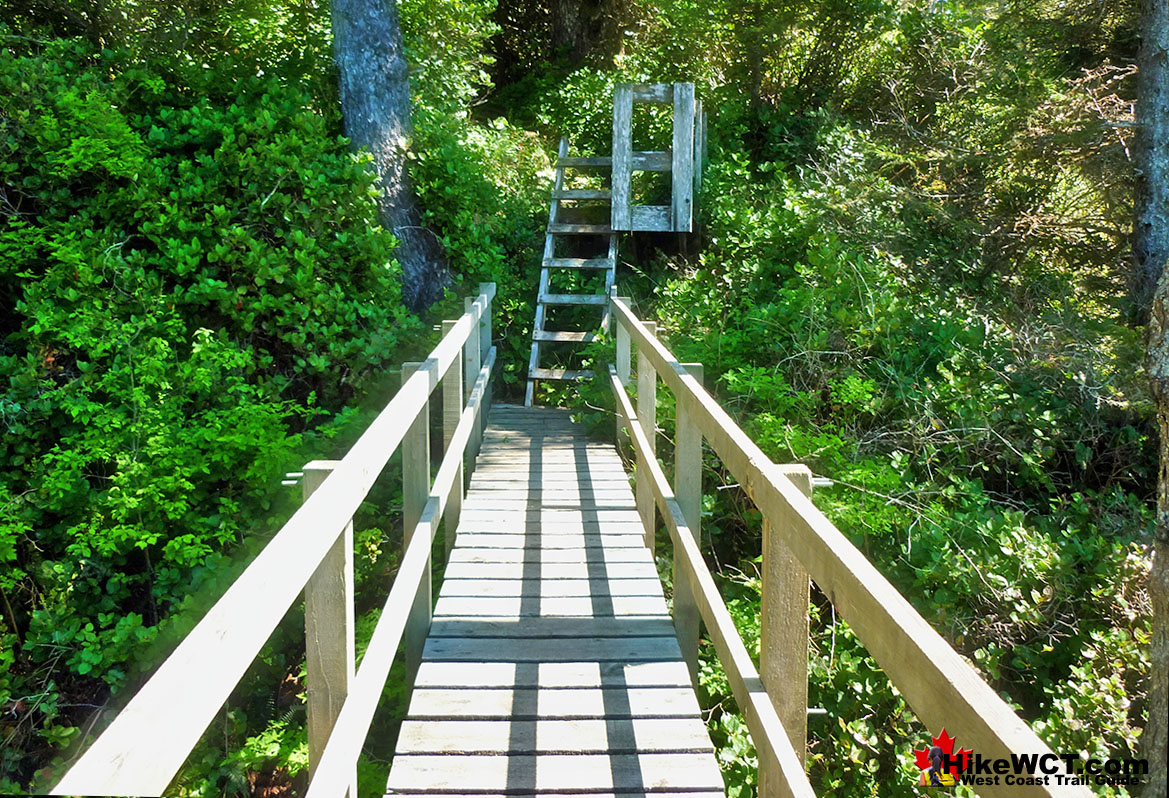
x=549, y=663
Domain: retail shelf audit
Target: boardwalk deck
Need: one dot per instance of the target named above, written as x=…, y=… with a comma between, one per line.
x=551, y=665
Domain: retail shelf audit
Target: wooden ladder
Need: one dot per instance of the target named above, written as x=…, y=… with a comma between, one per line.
x=545, y=298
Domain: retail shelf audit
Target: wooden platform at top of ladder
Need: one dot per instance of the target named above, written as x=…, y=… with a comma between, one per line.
x=551, y=665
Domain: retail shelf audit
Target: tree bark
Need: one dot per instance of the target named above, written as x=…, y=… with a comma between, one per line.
x=375, y=107
x=1151, y=283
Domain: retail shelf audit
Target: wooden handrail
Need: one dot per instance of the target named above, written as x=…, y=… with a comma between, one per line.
x=146, y=744
x=941, y=688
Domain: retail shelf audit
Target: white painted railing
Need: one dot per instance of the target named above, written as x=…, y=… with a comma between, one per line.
x=798, y=542
x=143, y=748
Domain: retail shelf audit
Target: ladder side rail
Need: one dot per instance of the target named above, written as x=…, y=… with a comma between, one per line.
x=150, y=739
x=344, y=746
x=940, y=686
x=775, y=750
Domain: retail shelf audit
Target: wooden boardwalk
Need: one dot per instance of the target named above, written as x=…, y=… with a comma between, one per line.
x=551, y=665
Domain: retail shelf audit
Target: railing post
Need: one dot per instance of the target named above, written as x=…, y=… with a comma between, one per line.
x=485, y=289
x=647, y=392
x=623, y=349
x=783, y=632
x=472, y=362
x=688, y=489
x=415, y=489
x=328, y=631
x=452, y=411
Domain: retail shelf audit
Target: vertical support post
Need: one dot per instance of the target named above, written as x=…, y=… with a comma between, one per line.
x=486, y=290
x=452, y=410
x=328, y=631
x=783, y=622
x=624, y=349
x=682, y=195
x=415, y=489
x=621, y=217
x=688, y=489
x=647, y=392
x=699, y=144
x=472, y=362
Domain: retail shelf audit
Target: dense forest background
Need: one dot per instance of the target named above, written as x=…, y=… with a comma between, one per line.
x=911, y=273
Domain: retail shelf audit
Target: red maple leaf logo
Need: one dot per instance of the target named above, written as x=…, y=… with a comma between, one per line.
x=946, y=743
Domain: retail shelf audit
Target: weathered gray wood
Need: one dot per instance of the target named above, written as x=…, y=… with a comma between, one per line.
x=623, y=350
x=574, y=606
x=566, y=375
x=572, y=299
x=415, y=488
x=553, y=588
x=569, y=649
x=562, y=336
x=330, y=661
x=556, y=772
x=627, y=794
x=699, y=143
x=589, y=162
x=582, y=194
x=592, y=735
x=688, y=489
x=568, y=228
x=783, y=632
x=606, y=557
x=452, y=410
x=634, y=539
x=651, y=161
x=578, y=263
x=682, y=196
x=579, y=675
x=651, y=218
x=547, y=628
x=561, y=702
x=662, y=93
x=549, y=250
x=573, y=570
x=647, y=412
x=622, y=156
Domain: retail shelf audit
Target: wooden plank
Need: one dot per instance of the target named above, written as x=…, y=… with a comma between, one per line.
x=142, y=749
x=573, y=570
x=575, y=606
x=593, y=735
x=563, y=702
x=568, y=228
x=572, y=299
x=622, y=156
x=330, y=662
x=699, y=143
x=633, y=794
x=608, y=556
x=506, y=588
x=569, y=649
x=651, y=218
x=688, y=489
x=579, y=675
x=590, y=162
x=565, y=375
x=578, y=263
x=556, y=772
x=564, y=336
x=653, y=93
x=651, y=161
x=682, y=194
x=415, y=489
x=939, y=685
x=582, y=194
x=644, y=626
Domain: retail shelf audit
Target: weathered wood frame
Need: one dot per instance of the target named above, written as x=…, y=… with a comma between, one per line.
x=146, y=744
x=939, y=685
x=683, y=160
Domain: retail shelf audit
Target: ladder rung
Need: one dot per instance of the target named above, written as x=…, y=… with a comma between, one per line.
x=564, y=336
x=573, y=299
x=603, y=160
x=562, y=227
x=582, y=194
x=653, y=161
x=578, y=263
x=559, y=374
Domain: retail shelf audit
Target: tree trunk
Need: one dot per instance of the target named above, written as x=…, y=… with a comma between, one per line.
x=1151, y=280
x=375, y=106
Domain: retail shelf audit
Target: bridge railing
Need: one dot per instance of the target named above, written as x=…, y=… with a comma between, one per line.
x=798, y=542
x=146, y=744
